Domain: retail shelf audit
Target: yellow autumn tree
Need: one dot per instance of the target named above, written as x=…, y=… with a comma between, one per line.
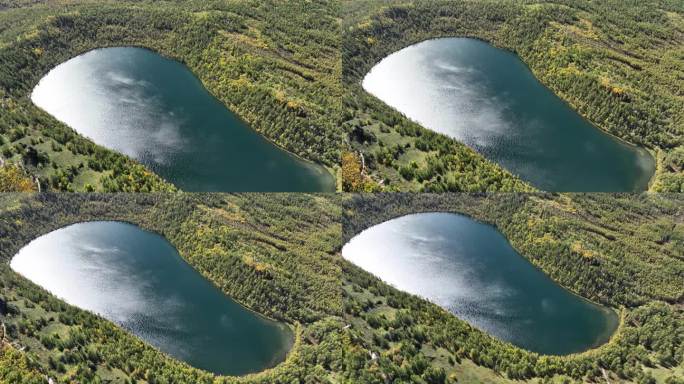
x=352, y=177
x=14, y=179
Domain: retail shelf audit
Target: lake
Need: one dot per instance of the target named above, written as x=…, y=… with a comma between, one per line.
x=156, y=111
x=137, y=279
x=471, y=270
x=488, y=99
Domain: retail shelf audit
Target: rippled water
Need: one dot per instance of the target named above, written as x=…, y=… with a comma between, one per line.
x=138, y=280
x=489, y=100
x=471, y=270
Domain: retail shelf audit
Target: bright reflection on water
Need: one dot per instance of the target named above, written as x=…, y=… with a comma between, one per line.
x=138, y=123
x=137, y=280
x=470, y=269
x=155, y=110
x=489, y=100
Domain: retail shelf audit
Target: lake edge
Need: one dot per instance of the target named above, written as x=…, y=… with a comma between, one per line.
x=327, y=173
x=651, y=153
x=291, y=332
x=604, y=339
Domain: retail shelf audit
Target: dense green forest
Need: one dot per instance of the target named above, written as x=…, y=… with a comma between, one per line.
x=275, y=254
x=621, y=250
x=292, y=69
x=279, y=254
x=274, y=63
x=618, y=63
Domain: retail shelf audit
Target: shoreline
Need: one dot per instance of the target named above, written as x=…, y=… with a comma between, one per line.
x=614, y=310
x=292, y=330
x=327, y=170
x=403, y=44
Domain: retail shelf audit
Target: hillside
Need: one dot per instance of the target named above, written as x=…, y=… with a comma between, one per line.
x=275, y=64
x=279, y=254
x=618, y=63
x=272, y=253
x=635, y=266
x=292, y=71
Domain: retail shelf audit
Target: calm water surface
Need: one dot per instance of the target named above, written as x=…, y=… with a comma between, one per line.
x=471, y=270
x=489, y=100
x=138, y=280
x=155, y=110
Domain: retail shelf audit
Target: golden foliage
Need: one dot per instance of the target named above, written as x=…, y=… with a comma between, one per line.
x=352, y=175
x=15, y=366
x=14, y=179
x=579, y=248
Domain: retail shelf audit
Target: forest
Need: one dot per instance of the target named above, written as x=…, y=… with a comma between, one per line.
x=273, y=63
x=279, y=254
x=274, y=254
x=624, y=251
x=292, y=71
x=617, y=63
